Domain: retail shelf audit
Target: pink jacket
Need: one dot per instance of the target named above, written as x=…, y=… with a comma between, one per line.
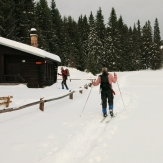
x=111, y=80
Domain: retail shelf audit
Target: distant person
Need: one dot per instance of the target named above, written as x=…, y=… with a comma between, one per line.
x=105, y=80
x=64, y=77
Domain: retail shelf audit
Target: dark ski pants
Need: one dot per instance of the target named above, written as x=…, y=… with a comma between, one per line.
x=107, y=96
x=64, y=83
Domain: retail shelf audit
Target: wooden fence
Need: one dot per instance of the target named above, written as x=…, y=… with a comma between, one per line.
x=6, y=100
x=42, y=101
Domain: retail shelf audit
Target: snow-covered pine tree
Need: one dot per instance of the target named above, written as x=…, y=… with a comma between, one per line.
x=95, y=48
x=44, y=25
x=156, y=35
x=131, y=52
x=155, y=57
x=21, y=12
x=54, y=41
x=155, y=62
x=7, y=19
x=74, y=43
x=29, y=18
x=136, y=49
x=115, y=50
x=146, y=45
x=57, y=26
x=100, y=26
x=65, y=51
x=83, y=41
x=85, y=32
x=122, y=35
x=108, y=46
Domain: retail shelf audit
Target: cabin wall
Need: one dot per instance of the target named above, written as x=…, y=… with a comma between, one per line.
x=1, y=67
x=14, y=62
x=162, y=57
x=49, y=72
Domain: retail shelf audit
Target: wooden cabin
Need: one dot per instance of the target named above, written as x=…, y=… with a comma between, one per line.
x=161, y=54
x=21, y=63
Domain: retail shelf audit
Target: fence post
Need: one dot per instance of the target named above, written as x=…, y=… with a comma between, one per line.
x=42, y=104
x=71, y=96
x=8, y=101
x=86, y=86
x=90, y=84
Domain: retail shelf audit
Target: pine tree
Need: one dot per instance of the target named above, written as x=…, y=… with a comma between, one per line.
x=146, y=45
x=155, y=57
x=30, y=22
x=108, y=46
x=83, y=28
x=115, y=50
x=100, y=26
x=81, y=32
x=7, y=19
x=65, y=51
x=94, y=47
x=132, y=55
x=122, y=36
x=45, y=27
x=139, y=44
x=74, y=42
x=22, y=27
x=136, y=48
x=156, y=53
x=57, y=27
x=157, y=37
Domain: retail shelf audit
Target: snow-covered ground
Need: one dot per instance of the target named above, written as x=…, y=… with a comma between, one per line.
x=61, y=135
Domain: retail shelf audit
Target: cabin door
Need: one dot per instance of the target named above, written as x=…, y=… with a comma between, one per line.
x=12, y=72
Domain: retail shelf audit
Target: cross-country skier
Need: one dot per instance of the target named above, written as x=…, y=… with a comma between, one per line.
x=64, y=77
x=105, y=80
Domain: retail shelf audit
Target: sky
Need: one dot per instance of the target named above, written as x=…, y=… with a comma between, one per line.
x=70, y=130
x=130, y=10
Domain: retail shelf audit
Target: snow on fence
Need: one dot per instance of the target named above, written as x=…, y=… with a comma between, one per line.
x=42, y=101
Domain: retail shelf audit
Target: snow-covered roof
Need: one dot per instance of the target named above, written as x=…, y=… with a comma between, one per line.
x=28, y=49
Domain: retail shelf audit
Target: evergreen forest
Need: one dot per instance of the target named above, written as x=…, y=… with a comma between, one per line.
x=87, y=44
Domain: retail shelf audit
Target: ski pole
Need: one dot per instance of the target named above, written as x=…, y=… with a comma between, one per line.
x=121, y=94
x=86, y=102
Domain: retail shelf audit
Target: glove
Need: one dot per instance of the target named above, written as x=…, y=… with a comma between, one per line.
x=115, y=75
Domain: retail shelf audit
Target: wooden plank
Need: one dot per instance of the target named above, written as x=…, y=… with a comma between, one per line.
x=4, y=103
x=5, y=98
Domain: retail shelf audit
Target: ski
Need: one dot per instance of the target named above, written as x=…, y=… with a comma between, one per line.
x=102, y=119
x=111, y=118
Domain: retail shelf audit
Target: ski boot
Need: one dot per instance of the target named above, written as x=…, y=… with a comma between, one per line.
x=111, y=113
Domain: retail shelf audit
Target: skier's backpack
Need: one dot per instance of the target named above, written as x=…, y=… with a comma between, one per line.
x=67, y=72
x=105, y=85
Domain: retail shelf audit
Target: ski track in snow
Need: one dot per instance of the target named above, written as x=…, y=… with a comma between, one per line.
x=86, y=144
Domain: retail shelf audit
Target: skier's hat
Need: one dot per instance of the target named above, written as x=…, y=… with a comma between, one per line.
x=104, y=69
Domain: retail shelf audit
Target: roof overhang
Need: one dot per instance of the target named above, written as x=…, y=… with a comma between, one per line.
x=29, y=49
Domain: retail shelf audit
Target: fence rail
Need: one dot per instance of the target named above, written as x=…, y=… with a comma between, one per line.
x=42, y=101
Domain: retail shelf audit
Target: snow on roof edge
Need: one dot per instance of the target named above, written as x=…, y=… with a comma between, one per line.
x=28, y=49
